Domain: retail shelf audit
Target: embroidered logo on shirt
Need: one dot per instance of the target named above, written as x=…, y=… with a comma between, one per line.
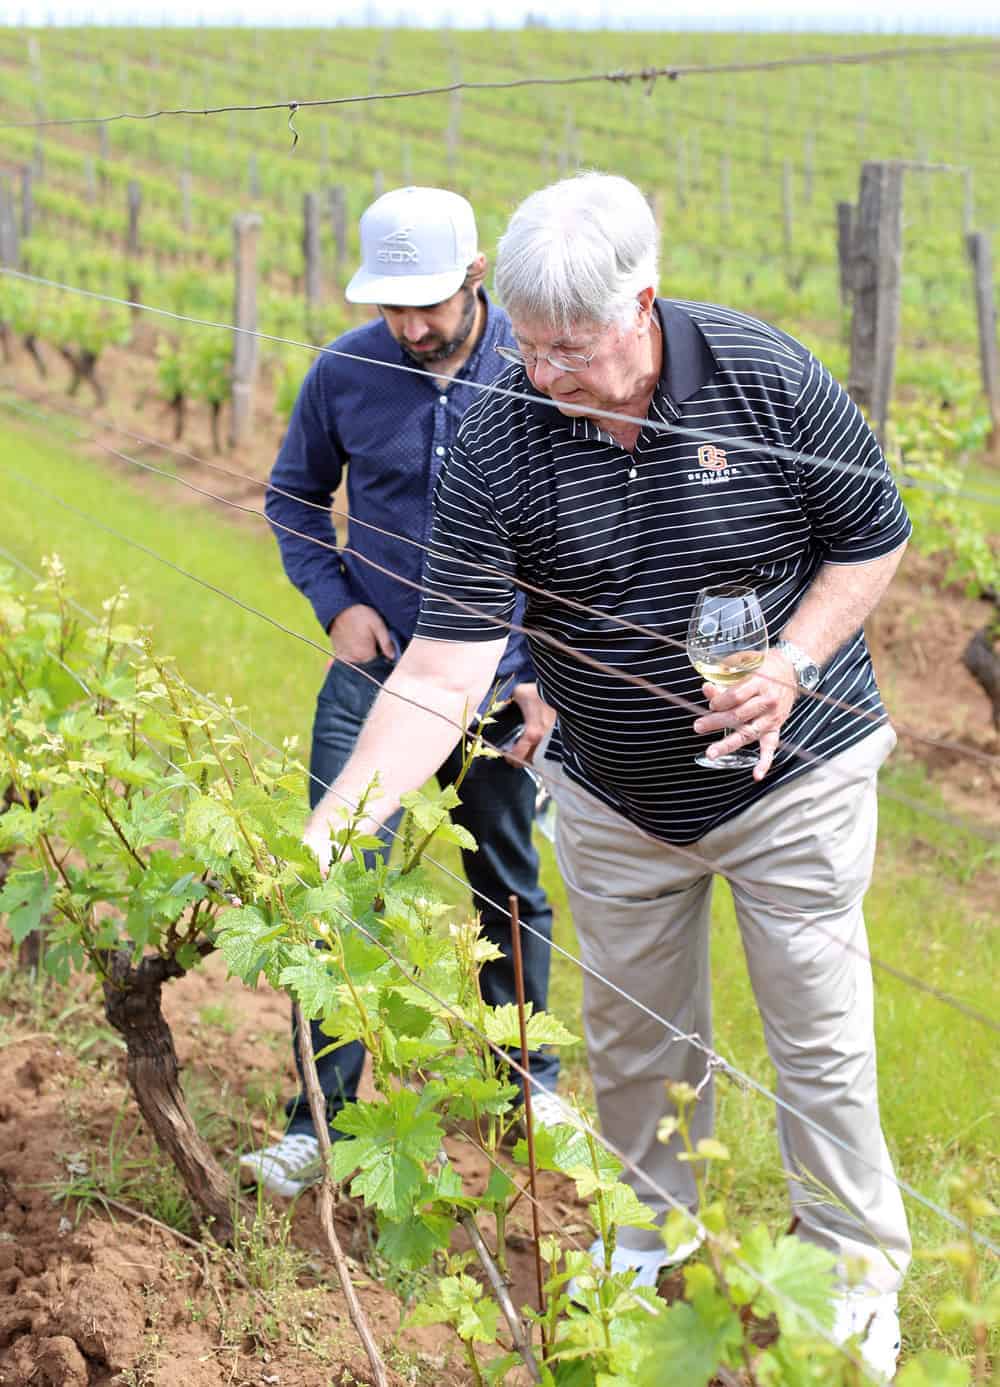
x=711, y=456
x=714, y=464
x=397, y=248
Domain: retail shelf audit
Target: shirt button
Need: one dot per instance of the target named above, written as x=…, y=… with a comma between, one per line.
x=632, y=474
x=440, y=451
x=443, y=399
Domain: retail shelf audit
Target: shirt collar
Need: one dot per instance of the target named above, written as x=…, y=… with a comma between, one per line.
x=493, y=332
x=688, y=363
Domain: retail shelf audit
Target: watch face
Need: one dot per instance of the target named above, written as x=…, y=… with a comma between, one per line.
x=809, y=676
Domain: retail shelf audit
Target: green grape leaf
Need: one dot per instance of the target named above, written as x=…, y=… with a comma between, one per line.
x=799, y=1277
x=468, y=1091
x=933, y=1369
x=503, y=1028
x=686, y=1344
x=393, y=1140
x=499, y=1188
x=403, y=1017
x=424, y=807
x=460, y=1302
x=210, y=824
x=496, y=1370
x=456, y=833
x=241, y=935
x=19, y=827
x=567, y=1149
x=391, y=1182
x=623, y=1206
x=312, y=985
x=25, y=898
x=411, y=1244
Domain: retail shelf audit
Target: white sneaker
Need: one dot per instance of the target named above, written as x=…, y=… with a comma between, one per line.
x=876, y=1319
x=549, y=1110
x=647, y=1263
x=288, y=1167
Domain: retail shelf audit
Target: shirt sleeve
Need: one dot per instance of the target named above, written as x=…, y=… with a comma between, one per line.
x=849, y=493
x=469, y=590
x=307, y=472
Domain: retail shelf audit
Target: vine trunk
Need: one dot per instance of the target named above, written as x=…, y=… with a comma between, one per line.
x=132, y=1004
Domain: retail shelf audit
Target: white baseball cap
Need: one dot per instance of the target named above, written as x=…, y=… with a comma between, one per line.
x=416, y=246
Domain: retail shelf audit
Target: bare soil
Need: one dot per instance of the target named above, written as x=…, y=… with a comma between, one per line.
x=93, y=1297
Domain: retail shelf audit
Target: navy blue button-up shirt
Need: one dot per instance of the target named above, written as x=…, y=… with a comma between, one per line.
x=391, y=430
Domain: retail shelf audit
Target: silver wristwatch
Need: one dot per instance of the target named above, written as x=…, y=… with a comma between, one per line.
x=806, y=669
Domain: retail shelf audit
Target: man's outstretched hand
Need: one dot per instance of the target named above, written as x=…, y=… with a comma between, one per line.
x=316, y=835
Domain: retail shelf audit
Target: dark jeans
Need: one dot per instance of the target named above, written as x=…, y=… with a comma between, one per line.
x=498, y=807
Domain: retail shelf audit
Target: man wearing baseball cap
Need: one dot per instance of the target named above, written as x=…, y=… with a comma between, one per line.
x=389, y=421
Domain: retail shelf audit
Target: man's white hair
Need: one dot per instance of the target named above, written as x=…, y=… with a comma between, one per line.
x=578, y=251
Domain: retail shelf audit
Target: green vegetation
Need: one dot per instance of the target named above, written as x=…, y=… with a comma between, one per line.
x=225, y=649
x=744, y=169
x=146, y=835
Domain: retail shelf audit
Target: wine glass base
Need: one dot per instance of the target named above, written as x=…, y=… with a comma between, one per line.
x=733, y=761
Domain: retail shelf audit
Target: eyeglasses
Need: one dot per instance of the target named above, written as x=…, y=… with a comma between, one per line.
x=565, y=361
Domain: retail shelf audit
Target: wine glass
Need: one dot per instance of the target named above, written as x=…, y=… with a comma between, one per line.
x=727, y=641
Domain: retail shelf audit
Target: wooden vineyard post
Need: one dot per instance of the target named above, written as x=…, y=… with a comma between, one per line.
x=186, y=200
x=787, y=206
x=968, y=204
x=808, y=167
x=10, y=253
x=845, y=234
x=27, y=200
x=338, y=217
x=132, y=245
x=246, y=227
x=454, y=133
x=313, y=267
x=253, y=177
x=91, y=177
x=877, y=258
x=378, y=184
x=104, y=145
x=725, y=187
x=978, y=246
x=10, y=250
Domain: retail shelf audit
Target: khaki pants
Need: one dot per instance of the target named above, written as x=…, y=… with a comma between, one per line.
x=799, y=862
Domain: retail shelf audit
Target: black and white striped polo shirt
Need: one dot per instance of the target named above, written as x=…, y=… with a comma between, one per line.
x=557, y=503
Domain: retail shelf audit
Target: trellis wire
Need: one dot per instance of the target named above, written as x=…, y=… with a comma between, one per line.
x=553, y=642
x=647, y=76
x=959, y=748
x=706, y=435
x=712, y=1056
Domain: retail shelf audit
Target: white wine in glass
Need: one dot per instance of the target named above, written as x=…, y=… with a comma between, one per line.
x=727, y=641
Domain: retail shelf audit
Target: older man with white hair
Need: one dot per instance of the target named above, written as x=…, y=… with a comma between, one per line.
x=579, y=486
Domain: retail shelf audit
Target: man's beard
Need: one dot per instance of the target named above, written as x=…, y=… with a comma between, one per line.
x=448, y=349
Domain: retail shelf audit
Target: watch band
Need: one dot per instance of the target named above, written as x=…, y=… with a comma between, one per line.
x=806, y=669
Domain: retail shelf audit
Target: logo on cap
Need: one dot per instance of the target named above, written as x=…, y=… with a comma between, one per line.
x=397, y=248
